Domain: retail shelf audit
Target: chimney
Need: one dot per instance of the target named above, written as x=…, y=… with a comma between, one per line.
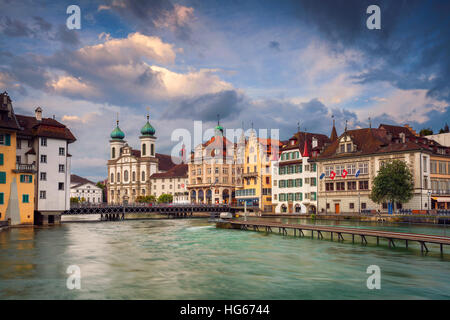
x=38, y=113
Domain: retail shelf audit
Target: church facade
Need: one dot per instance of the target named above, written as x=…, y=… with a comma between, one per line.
x=129, y=170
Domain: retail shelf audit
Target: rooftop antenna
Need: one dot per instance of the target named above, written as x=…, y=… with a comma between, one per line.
x=298, y=126
x=218, y=119
x=345, y=125
x=117, y=121
x=370, y=123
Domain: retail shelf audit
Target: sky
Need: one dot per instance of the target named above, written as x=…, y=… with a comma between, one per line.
x=272, y=64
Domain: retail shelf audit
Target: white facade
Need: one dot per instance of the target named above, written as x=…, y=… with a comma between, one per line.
x=176, y=186
x=442, y=138
x=87, y=191
x=53, y=174
x=294, y=185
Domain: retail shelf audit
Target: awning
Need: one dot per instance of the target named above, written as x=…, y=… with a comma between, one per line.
x=441, y=199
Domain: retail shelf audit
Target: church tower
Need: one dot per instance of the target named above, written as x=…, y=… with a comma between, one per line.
x=116, y=143
x=148, y=140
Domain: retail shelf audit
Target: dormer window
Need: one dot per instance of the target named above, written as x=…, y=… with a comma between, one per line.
x=292, y=142
x=342, y=148
x=349, y=147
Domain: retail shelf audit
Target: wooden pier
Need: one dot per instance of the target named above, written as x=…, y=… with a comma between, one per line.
x=422, y=239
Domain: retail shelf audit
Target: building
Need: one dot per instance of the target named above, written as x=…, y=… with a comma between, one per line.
x=440, y=181
x=17, y=175
x=351, y=162
x=173, y=182
x=214, y=170
x=256, y=190
x=85, y=190
x=129, y=170
x=45, y=142
x=441, y=138
x=294, y=174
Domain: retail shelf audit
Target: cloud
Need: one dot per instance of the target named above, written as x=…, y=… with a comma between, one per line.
x=66, y=36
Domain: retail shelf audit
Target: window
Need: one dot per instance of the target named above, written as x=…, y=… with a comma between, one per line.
x=152, y=149
x=349, y=147
x=26, y=178
x=18, y=159
x=143, y=176
x=363, y=205
x=442, y=167
x=112, y=177
x=43, y=142
x=313, y=167
x=424, y=164
x=351, y=185
x=2, y=159
x=62, y=151
x=113, y=152
x=61, y=168
x=267, y=180
x=329, y=186
x=125, y=176
x=42, y=194
x=2, y=198
x=339, y=169
x=340, y=186
x=144, y=149
x=298, y=182
x=2, y=177
x=19, y=144
x=25, y=198
x=328, y=170
x=5, y=139
x=61, y=186
x=351, y=205
x=364, y=185
x=299, y=196
x=342, y=148
x=43, y=158
x=363, y=167
x=351, y=169
x=118, y=176
x=313, y=182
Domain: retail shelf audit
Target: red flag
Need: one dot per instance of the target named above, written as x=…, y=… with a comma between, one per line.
x=344, y=173
x=332, y=175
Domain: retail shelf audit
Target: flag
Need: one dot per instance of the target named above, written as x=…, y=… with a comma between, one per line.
x=357, y=173
x=344, y=173
x=322, y=175
x=332, y=175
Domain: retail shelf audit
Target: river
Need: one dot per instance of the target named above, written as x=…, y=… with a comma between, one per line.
x=191, y=259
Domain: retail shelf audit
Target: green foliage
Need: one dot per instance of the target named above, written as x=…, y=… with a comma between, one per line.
x=394, y=183
x=74, y=200
x=146, y=199
x=165, y=198
x=100, y=185
x=426, y=132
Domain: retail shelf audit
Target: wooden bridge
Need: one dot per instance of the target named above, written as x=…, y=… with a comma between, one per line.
x=118, y=212
x=423, y=239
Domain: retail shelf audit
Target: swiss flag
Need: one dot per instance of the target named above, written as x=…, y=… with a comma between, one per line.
x=182, y=185
x=332, y=175
x=344, y=173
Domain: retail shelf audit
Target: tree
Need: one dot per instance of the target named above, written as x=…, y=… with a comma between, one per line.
x=393, y=183
x=445, y=129
x=74, y=200
x=165, y=198
x=146, y=199
x=426, y=132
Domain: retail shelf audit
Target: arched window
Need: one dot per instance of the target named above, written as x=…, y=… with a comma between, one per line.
x=118, y=176
x=143, y=192
x=125, y=176
x=134, y=176
x=143, y=176
x=144, y=149
x=152, y=149
x=113, y=152
x=112, y=177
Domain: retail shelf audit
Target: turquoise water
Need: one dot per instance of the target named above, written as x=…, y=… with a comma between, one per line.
x=191, y=259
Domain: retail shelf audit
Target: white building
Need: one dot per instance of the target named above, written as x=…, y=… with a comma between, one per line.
x=441, y=138
x=85, y=190
x=45, y=142
x=173, y=182
x=294, y=175
x=129, y=170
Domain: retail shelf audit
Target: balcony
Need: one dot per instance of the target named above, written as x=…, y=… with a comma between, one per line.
x=250, y=174
x=440, y=192
x=25, y=168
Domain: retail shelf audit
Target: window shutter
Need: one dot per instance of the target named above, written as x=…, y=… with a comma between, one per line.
x=2, y=177
x=1, y=159
x=7, y=139
x=31, y=178
x=2, y=198
x=22, y=178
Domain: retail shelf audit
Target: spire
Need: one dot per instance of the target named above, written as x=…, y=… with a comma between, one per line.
x=370, y=123
x=218, y=129
x=305, y=149
x=333, y=131
x=147, y=129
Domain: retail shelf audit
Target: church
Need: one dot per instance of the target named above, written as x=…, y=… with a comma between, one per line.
x=129, y=170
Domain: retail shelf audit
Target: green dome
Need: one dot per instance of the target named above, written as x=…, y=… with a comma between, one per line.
x=148, y=130
x=117, y=134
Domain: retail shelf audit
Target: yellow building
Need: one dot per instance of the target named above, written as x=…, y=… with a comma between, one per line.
x=256, y=191
x=16, y=180
x=440, y=181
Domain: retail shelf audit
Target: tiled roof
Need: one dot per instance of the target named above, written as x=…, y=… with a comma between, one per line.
x=299, y=141
x=8, y=119
x=49, y=128
x=382, y=140
x=77, y=180
x=178, y=171
x=164, y=162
